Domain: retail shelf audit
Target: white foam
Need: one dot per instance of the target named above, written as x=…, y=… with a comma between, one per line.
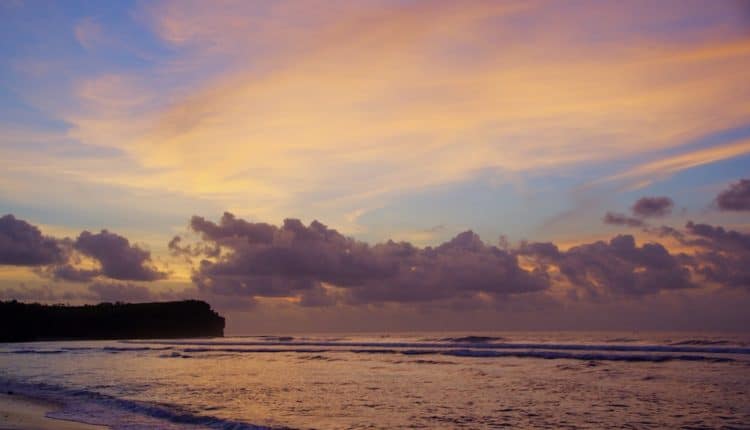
x=119, y=414
x=465, y=345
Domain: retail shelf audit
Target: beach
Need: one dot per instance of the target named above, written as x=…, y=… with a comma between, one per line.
x=24, y=413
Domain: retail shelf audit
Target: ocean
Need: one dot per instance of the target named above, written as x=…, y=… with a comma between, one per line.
x=388, y=381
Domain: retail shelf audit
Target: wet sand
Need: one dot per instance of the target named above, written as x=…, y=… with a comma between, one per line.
x=24, y=413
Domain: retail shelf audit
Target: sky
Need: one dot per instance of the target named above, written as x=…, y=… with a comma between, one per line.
x=381, y=165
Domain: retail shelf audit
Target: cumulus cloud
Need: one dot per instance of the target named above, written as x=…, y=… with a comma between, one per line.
x=68, y=272
x=263, y=260
x=618, y=266
x=320, y=267
x=240, y=265
x=623, y=267
x=22, y=244
x=718, y=238
x=177, y=248
x=723, y=256
x=118, y=258
x=653, y=207
x=736, y=197
x=622, y=219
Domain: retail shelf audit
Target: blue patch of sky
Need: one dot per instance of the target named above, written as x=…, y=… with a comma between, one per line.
x=487, y=204
x=491, y=204
x=695, y=189
x=106, y=206
x=18, y=113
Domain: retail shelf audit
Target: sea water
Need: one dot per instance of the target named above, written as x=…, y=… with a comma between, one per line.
x=417, y=380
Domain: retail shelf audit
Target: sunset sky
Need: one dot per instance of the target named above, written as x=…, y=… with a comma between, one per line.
x=594, y=151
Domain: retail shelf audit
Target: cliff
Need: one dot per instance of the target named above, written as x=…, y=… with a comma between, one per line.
x=21, y=322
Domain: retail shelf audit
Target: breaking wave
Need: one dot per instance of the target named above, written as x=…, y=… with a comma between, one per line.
x=90, y=407
x=474, y=339
x=240, y=346
x=701, y=342
x=478, y=353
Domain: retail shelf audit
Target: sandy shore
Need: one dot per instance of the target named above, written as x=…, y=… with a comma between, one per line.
x=23, y=413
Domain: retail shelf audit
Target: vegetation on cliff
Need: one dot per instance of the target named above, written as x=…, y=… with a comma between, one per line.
x=21, y=322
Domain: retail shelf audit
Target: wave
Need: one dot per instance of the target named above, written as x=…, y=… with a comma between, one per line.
x=463, y=345
x=475, y=353
x=95, y=408
x=478, y=347
x=420, y=361
x=591, y=356
x=276, y=338
x=473, y=339
x=701, y=342
x=175, y=354
x=37, y=351
x=115, y=349
x=622, y=340
x=110, y=349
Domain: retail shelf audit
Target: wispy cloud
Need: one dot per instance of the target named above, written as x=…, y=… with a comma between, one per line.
x=326, y=109
x=88, y=32
x=386, y=99
x=644, y=174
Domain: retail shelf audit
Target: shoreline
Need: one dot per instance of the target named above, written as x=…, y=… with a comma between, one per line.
x=20, y=412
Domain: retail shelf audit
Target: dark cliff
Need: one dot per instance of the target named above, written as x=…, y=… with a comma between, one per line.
x=21, y=322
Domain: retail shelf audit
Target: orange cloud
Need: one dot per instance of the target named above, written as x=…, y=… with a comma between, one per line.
x=335, y=107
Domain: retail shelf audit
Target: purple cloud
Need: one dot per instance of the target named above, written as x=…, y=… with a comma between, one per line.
x=736, y=197
x=118, y=258
x=240, y=262
x=68, y=272
x=619, y=267
x=723, y=256
x=22, y=244
x=653, y=206
x=295, y=260
x=621, y=219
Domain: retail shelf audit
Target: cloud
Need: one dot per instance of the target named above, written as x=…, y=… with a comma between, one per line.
x=386, y=77
x=723, y=256
x=22, y=244
x=230, y=228
x=622, y=219
x=262, y=260
x=314, y=265
x=99, y=291
x=653, y=206
x=68, y=272
x=646, y=173
x=622, y=267
x=736, y=197
x=318, y=296
x=118, y=258
x=88, y=32
x=300, y=261
x=121, y=292
x=96, y=292
x=27, y=293
x=718, y=238
x=303, y=270
x=617, y=267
